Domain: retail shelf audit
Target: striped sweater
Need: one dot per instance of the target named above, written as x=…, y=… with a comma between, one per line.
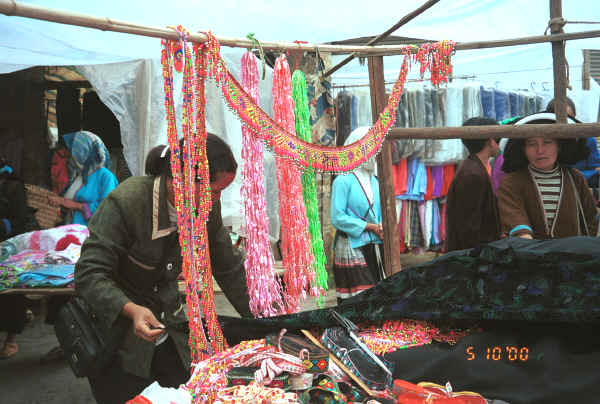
x=549, y=184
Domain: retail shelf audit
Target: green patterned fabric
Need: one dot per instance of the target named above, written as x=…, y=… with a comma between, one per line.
x=511, y=279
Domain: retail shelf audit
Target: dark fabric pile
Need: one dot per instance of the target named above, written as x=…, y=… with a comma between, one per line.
x=542, y=295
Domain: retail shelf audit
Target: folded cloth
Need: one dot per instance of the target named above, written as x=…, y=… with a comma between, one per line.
x=156, y=394
x=427, y=393
x=47, y=275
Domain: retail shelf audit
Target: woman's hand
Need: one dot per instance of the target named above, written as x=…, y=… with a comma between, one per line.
x=64, y=202
x=55, y=201
x=375, y=228
x=145, y=324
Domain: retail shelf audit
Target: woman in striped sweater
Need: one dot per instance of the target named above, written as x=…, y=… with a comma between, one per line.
x=541, y=197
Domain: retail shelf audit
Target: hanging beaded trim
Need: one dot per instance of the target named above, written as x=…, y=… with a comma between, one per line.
x=435, y=57
x=264, y=288
x=309, y=184
x=390, y=335
x=295, y=239
x=191, y=221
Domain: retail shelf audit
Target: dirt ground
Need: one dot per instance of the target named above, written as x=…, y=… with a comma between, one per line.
x=24, y=380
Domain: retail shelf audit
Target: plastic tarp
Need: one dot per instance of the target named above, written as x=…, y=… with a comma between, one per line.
x=134, y=93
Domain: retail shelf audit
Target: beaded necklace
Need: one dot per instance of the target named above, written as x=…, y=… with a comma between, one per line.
x=264, y=289
x=192, y=214
x=295, y=239
x=309, y=184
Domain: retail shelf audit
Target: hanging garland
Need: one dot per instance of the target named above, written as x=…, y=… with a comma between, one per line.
x=264, y=288
x=280, y=137
x=191, y=221
x=309, y=184
x=434, y=57
x=295, y=239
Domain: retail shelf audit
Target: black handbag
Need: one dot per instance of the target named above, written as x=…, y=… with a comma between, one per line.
x=87, y=347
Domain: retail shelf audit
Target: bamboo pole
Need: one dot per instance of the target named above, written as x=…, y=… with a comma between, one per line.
x=391, y=241
x=14, y=8
x=384, y=35
x=552, y=131
x=558, y=63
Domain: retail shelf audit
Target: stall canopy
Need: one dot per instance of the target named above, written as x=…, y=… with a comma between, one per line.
x=125, y=69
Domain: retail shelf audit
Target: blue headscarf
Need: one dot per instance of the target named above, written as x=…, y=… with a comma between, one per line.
x=87, y=151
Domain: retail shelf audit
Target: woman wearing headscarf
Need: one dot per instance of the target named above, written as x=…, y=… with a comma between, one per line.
x=90, y=179
x=541, y=197
x=356, y=215
x=128, y=271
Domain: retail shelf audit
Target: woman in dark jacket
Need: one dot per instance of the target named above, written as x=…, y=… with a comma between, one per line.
x=542, y=197
x=128, y=274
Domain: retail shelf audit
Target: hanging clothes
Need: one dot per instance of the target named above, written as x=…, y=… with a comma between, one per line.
x=343, y=105
x=437, y=174
x=487, y=103
x=400, y=177
x=430, y=185
x=515, y=103
x=471, y=102
x=448, y=176
x=501, y=105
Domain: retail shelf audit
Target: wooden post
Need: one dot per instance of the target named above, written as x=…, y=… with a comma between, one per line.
x=585, y=72
x=391, y=243
x=558, y=63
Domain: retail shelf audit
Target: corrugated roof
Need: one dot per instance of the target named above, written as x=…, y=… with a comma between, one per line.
x=390, y=40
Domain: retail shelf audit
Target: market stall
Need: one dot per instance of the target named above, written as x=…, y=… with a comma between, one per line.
x=485, y=276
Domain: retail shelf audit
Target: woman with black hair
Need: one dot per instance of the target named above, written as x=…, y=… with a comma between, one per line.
x=128, y=273
x=541, y=197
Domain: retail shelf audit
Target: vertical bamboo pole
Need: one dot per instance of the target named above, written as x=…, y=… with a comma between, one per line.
x=391, y=243
x=558, y=62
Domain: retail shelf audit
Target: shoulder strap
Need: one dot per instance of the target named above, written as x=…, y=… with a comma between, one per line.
x=366, y=196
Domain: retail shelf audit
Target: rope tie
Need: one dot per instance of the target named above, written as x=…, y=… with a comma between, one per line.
x=561, y=22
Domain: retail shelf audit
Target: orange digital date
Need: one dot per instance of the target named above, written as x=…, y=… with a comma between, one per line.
x=496, y=353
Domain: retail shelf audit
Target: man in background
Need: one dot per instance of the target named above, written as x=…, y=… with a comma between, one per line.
x=472, y=213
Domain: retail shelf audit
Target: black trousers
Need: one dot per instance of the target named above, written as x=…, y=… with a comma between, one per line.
x=115, y=386
x=12, y=313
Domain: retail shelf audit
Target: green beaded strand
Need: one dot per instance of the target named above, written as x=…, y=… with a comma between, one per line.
x=309, y=184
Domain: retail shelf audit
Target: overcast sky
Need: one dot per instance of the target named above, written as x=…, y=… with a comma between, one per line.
x=323, y=21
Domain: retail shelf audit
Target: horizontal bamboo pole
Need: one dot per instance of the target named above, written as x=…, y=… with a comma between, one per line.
x=14, y=8
x=553, y=131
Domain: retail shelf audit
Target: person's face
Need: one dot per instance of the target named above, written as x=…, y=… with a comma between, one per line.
x=222, y=180
x=494, y=147
x=541, y=153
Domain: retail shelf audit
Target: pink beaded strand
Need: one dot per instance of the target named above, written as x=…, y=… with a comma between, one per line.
x=295, y=239
x=263, y=286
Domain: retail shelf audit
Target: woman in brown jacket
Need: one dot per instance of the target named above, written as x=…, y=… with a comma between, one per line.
x=541, y=197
